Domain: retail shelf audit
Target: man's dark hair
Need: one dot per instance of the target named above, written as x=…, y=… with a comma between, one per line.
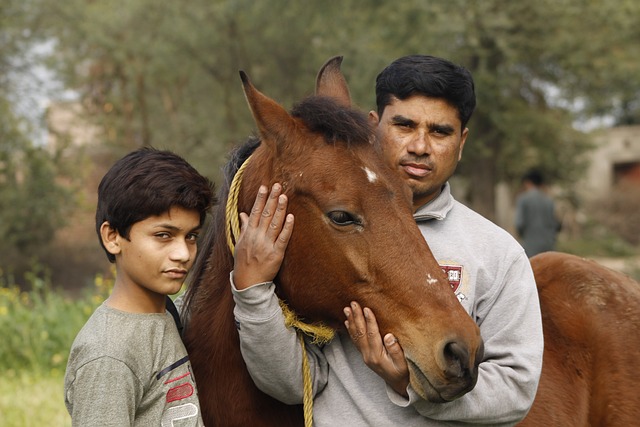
x=148, y=182
x=534, y=176
x=428, y=76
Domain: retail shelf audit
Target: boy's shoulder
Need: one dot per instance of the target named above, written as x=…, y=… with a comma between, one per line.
x=130, y=338
x=142, y=362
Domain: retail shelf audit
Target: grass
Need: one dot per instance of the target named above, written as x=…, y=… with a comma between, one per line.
x=28, y=399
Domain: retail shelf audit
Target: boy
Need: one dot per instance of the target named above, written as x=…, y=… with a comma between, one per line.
x=128, y=366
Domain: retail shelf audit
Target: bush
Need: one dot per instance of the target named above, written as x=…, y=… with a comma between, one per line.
x=39, y=325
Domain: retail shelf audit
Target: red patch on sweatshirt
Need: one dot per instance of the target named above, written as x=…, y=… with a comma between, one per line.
x=179, y=392
x=454, y=274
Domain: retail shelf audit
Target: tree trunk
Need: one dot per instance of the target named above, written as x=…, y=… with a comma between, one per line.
x=482, y=191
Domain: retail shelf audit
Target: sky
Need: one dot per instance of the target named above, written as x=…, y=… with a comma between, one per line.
x=34, y=88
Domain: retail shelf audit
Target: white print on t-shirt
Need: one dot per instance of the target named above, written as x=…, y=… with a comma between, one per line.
x=188, y=410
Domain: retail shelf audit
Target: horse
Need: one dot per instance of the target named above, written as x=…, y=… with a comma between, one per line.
x=591, y=324
x=355, y=239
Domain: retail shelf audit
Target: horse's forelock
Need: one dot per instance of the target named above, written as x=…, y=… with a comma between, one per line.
x=335, y=122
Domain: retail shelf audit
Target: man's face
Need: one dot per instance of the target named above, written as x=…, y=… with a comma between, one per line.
x=422, y=139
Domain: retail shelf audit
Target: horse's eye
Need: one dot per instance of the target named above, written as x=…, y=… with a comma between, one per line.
x=342, y=218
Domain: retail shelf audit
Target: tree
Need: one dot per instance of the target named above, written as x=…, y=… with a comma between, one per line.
x=33, y=203
x=165, y=73
x=538, y=67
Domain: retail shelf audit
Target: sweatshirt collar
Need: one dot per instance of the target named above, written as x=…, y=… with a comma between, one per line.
x=437, y=208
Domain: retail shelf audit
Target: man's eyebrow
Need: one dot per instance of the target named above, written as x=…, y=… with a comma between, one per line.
x=442, y=128
x=402, y=120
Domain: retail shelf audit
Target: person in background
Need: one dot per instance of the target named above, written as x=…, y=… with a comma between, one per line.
x=536, y=222
x=127, y=365
x=423, y=106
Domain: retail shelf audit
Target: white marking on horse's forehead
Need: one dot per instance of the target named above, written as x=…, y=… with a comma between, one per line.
x=431, y=280
x=371, y=175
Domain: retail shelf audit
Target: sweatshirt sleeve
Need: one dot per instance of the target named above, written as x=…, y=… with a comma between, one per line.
x=511, y=327
x=265, y=340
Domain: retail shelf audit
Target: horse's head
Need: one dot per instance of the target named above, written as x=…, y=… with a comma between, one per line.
x=355, y=238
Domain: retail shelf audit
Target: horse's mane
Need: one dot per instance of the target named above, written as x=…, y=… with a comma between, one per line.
x=320, y=114
x=337, y=123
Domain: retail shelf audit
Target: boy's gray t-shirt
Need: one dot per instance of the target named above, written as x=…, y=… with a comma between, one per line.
x=130, y=369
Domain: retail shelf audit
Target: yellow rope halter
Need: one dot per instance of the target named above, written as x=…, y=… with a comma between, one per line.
x=320, y=333
x=231, y=211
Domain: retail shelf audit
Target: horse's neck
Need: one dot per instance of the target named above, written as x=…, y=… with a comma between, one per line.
x=212, y=342
x=212, y=304
x=227, y=393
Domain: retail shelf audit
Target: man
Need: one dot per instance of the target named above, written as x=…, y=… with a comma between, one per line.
x=536, y=221
x=423, y=106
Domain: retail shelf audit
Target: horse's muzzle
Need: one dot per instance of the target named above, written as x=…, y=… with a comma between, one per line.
x=455, y=373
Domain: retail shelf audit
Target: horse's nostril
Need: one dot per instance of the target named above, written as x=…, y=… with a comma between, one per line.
x=456, y=356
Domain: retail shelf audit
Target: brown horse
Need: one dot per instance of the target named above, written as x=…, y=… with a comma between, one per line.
x=591, y=322
x=354, y=239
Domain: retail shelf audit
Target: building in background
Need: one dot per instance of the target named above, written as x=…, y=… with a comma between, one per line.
x=615, y=161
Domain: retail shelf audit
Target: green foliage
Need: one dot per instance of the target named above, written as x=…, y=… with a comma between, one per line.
x=166, y=74
x=39, y=325
x=33, y=204
x=597, y=242
x=16, y=21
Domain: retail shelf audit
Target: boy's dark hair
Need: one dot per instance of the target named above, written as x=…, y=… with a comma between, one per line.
x=428, y=76
x=148, y=182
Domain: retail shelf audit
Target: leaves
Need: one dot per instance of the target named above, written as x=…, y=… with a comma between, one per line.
x=166, y=74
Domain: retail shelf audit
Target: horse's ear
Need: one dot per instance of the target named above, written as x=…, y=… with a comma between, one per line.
x=330, y=82
x=273, y=121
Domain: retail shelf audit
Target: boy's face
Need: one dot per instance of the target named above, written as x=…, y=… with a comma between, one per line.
x=156, y=258
x=422, y=139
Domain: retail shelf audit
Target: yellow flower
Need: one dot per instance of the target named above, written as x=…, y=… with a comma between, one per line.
x=56, y=359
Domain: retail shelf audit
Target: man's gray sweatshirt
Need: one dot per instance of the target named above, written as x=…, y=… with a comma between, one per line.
x=492, y=278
